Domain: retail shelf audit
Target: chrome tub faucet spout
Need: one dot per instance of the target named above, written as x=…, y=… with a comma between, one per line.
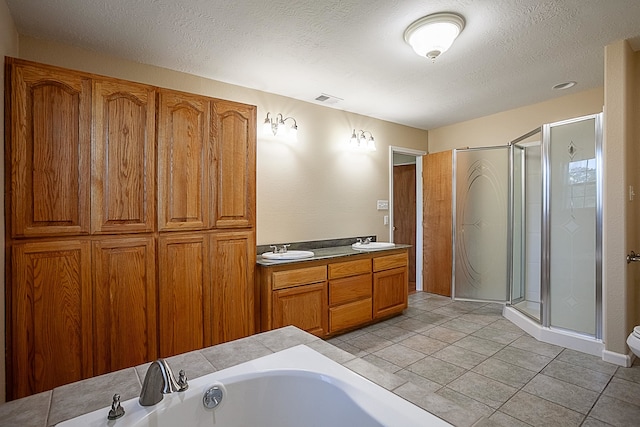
x=158, y=381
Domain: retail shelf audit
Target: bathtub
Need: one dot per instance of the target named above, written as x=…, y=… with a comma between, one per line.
x=294, y=387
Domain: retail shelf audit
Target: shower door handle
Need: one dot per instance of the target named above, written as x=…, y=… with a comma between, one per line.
x=633, y=257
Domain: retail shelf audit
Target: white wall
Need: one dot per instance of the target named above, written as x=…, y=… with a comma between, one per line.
x=8, y=47
x=312, y=190
x=620, y=215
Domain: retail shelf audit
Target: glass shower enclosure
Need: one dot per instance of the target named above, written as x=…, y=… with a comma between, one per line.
x=528, y=225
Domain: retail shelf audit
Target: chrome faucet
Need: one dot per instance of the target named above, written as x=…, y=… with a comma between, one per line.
x=158, y=381
x=275, y=250
x=364, y=241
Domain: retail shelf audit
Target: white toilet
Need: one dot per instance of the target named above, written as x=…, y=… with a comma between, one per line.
x=633, y=341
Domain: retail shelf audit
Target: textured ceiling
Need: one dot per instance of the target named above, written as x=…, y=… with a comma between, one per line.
x=510, y=53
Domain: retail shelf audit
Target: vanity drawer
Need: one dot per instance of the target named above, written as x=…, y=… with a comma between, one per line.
x=349, y=268
x=299, y=276
x=349, y=315
x=390, y=261
x=349, y=289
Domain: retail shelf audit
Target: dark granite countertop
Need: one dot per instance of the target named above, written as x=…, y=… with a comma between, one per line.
x=327, y=253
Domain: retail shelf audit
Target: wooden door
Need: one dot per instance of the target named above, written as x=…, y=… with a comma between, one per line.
x=124, y=281
x=123, y=158
x=234, y=195
x=50, y=315
x=49, y=132
x=437, y=226
x=184, y=144
x=404, y=214
x=232, y=262
x=184, y=309
x=389, y=292
x=302, y=306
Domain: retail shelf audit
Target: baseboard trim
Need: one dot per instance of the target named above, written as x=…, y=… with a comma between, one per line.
x=620, y=359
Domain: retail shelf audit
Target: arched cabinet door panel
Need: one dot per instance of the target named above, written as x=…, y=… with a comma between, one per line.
x=123, y=158
x=184, y=146
x=49, y=136
x=233, y=196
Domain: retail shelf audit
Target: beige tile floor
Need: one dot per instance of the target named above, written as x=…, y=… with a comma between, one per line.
x=467, y=353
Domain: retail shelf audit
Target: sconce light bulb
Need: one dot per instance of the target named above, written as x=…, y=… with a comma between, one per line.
x=266, y=126
x=293, y=133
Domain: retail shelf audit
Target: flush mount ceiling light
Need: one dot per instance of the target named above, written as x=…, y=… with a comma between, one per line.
x=565, y=85
x=432, y=35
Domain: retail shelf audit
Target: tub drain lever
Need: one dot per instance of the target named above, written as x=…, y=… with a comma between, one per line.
x=212, y=397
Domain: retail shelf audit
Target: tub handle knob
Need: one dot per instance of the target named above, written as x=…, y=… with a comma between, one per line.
x=116, y=410
x=182, y=381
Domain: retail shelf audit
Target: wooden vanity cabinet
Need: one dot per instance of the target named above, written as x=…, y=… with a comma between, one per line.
x=295, y=296
x=350, y=294
x=390, y=284
x=327, y=297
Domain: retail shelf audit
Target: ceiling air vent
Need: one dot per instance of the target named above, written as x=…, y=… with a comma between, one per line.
x=328, y=99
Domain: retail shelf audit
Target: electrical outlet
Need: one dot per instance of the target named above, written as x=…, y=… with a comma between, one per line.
x=383, y=205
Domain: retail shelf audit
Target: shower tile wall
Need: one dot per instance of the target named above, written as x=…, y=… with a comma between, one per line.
x=533, y=194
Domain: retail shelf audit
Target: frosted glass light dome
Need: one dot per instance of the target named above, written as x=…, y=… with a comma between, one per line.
x=432, y=35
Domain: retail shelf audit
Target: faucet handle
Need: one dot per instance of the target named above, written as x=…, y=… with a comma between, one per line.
x=182, y=381
x=274, y=248
x=284, y=248
x=116, y=410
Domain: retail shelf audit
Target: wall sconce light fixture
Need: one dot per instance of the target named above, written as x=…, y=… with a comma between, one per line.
x=360, y=141
x=432, y=35
x=278, y=127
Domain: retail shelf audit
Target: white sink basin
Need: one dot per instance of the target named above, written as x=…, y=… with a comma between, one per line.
x=289, y=255
x=373, y=246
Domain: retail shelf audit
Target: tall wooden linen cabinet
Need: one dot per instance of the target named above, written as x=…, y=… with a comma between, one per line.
x=130, y=219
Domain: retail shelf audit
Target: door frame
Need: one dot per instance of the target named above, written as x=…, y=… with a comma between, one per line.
x=419, y=204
